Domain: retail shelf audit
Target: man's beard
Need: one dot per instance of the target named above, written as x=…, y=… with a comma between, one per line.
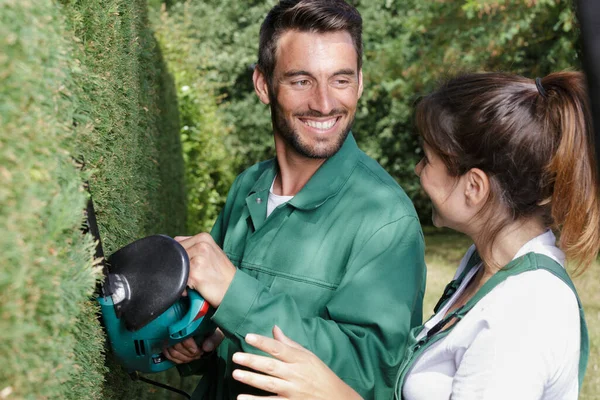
x=293, y=139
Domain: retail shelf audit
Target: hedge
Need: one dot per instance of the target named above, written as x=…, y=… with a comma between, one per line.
x=78, y=80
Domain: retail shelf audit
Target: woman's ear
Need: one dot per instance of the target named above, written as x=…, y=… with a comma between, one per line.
x=260, y=85
x=477, y=187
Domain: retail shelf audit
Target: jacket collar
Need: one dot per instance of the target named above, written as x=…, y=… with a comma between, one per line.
x=324, y=184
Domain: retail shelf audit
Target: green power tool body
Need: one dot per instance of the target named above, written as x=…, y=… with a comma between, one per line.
x=145, y=310
x=142, y=302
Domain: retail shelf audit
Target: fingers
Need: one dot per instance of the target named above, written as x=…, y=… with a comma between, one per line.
x=190, y=241
x=189, y=346
x=263, y=382
x=273, y=347
x=250, y=397
x=176, y=356
x=267, y=365
x=183, y=352
x=181, y=238
x=213, y=341
x=188, y=350
x=278, y=335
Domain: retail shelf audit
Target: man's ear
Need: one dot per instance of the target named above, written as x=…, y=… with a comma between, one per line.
x=477, y=188
x=260, y=85
x=360, y=83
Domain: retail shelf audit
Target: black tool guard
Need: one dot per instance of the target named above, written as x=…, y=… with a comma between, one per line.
x=156, y=269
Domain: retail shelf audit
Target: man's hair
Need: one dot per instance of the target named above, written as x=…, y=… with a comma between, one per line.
x=319, y=16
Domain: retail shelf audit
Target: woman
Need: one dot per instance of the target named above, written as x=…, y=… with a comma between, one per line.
x=507, y=161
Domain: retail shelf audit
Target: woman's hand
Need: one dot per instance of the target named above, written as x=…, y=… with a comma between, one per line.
x=294, y=373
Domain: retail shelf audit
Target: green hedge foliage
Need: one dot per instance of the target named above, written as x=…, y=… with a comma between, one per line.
x=46, y=275
x=78, y=80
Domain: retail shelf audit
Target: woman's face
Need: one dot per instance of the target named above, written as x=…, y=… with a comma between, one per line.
x=444, y=191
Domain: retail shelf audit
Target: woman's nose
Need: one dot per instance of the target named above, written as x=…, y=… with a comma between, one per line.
x=419, y=168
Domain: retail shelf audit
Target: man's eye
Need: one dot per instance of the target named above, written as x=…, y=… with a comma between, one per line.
x=301, y=83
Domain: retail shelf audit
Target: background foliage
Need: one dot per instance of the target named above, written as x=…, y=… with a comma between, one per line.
x=209, y=163
x=409, y=46
x=412, y=45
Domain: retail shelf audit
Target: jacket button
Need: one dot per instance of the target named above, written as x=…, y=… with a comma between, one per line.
x=258, y=200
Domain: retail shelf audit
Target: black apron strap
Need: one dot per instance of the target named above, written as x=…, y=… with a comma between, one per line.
x=454, y=284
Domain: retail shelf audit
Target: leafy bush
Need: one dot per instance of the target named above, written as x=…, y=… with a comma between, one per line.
x=409, y=46
x=209, y=161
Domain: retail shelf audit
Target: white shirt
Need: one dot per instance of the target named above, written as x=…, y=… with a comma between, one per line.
x=521, y=341
x=275, y=200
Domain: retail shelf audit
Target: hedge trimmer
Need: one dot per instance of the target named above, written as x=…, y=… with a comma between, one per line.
x=143, y=310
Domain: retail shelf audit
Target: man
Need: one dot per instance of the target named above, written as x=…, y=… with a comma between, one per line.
x=320, y=240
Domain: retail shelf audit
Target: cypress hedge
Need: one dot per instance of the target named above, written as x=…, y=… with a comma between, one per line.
x=79, y=80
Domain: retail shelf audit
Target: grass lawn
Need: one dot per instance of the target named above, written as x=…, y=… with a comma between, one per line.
x=443, y=253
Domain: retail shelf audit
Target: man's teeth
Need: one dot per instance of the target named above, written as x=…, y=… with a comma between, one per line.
x=321, y=125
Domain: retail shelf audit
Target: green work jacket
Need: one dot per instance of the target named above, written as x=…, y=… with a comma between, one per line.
x=339, y=268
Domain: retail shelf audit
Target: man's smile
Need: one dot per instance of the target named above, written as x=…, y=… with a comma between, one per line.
x=321, y=125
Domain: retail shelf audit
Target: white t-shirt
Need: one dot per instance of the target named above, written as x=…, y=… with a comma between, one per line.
x=275, y=199
x=521, y=341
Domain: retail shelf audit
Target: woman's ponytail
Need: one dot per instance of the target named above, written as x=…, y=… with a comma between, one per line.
x=575, y=202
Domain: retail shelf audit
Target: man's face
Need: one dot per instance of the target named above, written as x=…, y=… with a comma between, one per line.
x=316, y=87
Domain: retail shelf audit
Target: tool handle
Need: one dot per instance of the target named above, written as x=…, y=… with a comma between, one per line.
x=192, y=319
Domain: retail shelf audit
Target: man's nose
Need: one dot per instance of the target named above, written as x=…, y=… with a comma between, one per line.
x=322, y=100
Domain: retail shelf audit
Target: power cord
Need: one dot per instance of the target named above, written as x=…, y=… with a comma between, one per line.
x=136, y=376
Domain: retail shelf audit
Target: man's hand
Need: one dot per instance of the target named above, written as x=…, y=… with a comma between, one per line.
x=188, y=350
x=211, y=272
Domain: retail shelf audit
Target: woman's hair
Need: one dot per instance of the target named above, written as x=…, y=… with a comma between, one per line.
x=534, y=141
